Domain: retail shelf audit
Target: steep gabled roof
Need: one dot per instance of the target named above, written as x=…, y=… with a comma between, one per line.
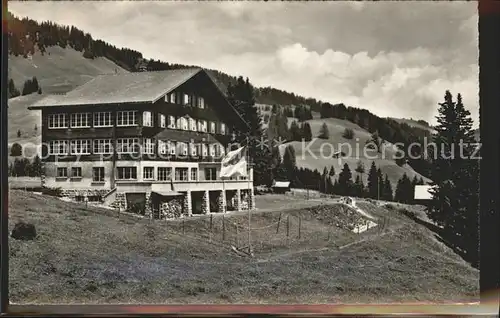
x=138, y=87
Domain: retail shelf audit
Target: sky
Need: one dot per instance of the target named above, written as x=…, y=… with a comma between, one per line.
x=394, y=58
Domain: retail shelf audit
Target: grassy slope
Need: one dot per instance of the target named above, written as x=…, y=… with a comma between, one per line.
x=59, y=72
x=336, y=128
x=92, y=256
x=412, y=123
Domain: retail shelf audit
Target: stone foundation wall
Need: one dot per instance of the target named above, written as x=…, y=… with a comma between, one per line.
x=120, y=202
x=73, y=193
x=187, y=211
x=205, y=204
x=171, y=209
x=221, y=202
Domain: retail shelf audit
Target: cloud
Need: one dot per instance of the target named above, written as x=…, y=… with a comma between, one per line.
x=393, y=58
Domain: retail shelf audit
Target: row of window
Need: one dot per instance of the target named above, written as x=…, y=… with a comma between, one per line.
x=130, y=118
x=130, y=173
x=131, y=145
x=185, y=99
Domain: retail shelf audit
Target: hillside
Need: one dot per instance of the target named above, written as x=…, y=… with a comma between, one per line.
x=336, y=128
x=414, y=123
x=92, y=255
x=58, y=70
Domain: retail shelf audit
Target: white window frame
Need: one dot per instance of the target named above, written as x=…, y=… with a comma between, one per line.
x=103, y=146
x=164, y=174
x=192, y=150
x=203, y=125
x=209, y=174
x=163, y=121
x=148, y=173
x=212, y=148
x=194, y=171
x=184, y=172
x=162, y=147
x=212, y=127
x=192, y=124
x=128, y=143
x=222, y=128
x=103, y=119
x=147, y=118
x=182, y=148
x=172, y=122
x=79, y=175
x=80, y=120
x=126, y=118
x=58, y=144
x=65, y=169
x=172, y=98
x=204, y=150
x=172, y=147
x=131, y=169
x=80, y=146
x=57, y=121
x=186, y=99
x=100, y=178
x=201, y=102
x=148, y=146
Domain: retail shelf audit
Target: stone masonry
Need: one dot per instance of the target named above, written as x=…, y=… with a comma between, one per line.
x=221, y=202
x=205, y=204
x=187, y=210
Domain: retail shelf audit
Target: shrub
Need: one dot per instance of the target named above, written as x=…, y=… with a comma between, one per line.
x=23, y=231
x=16, y=150
x=348, y=133
x=55, y=192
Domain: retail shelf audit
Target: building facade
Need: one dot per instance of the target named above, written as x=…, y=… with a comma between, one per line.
x=146, y=141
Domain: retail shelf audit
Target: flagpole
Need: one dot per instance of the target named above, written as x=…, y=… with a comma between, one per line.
x=249, y=201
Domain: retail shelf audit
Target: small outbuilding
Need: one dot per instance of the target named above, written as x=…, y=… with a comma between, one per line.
x=281, y=186
x=422, y=193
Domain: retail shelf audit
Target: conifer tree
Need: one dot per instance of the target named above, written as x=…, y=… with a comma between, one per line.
x=295, y=131
x=323, y=132
x=373, y=181
x=387, y=190
x=306, y=132
x=455, y=198
x=345, y=183
x=332, y=171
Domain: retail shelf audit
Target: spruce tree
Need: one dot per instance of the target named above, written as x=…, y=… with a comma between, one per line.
x=373, y=181
x=455, y=198
x=332, y=171
x=323, y=132
x=306, y=132
x=345, y=183
x=380, y=183
x=13, y=91
x=289, y=162
x=295, y=131
x=387, y=190
x=359, y=187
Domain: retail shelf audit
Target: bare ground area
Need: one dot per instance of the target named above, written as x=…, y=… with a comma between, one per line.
x=93, y=255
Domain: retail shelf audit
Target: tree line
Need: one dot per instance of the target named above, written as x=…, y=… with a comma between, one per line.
x=30, y=86
x=23, y=167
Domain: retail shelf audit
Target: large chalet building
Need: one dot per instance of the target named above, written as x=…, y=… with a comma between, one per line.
x=151, y=141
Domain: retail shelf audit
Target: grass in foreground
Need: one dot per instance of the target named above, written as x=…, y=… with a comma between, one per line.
x=95, y=256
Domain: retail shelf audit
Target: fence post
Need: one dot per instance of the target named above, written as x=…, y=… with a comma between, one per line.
x=287, y=227
x=211, y=227
x=237, y=238
x=279, y=221
x=300, y=223
x=223, y=228
x=183, y=230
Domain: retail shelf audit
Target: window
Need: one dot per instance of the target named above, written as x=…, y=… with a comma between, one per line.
x=162, y=121
x=98, y=174
x=127, y=145
x=192, y=150
x=204, y=150
x=80, y=147
x=210, y=174
x=147, y=119
x=149, y=173
x=164, y=173
x=127, y=173
x=62, y=173
x=76, y=172
x=186, y=99
x=58, y=147
x=222, y=128
x=171, y=122
x=184, y=123
x=126, y=118
x=171, y=147
x=194, y=174
x=103, y=146
x=57, y=121
x=192, y=124
x=172, y=98
x=149, y=146
x=212, y=150
x=182, y=148
x=162, y=147
x=102, y=119
x=201, y=102
x=202, y=125
x=212, y=127
x=181, y=174
x=222, y=151
x=80, y=120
